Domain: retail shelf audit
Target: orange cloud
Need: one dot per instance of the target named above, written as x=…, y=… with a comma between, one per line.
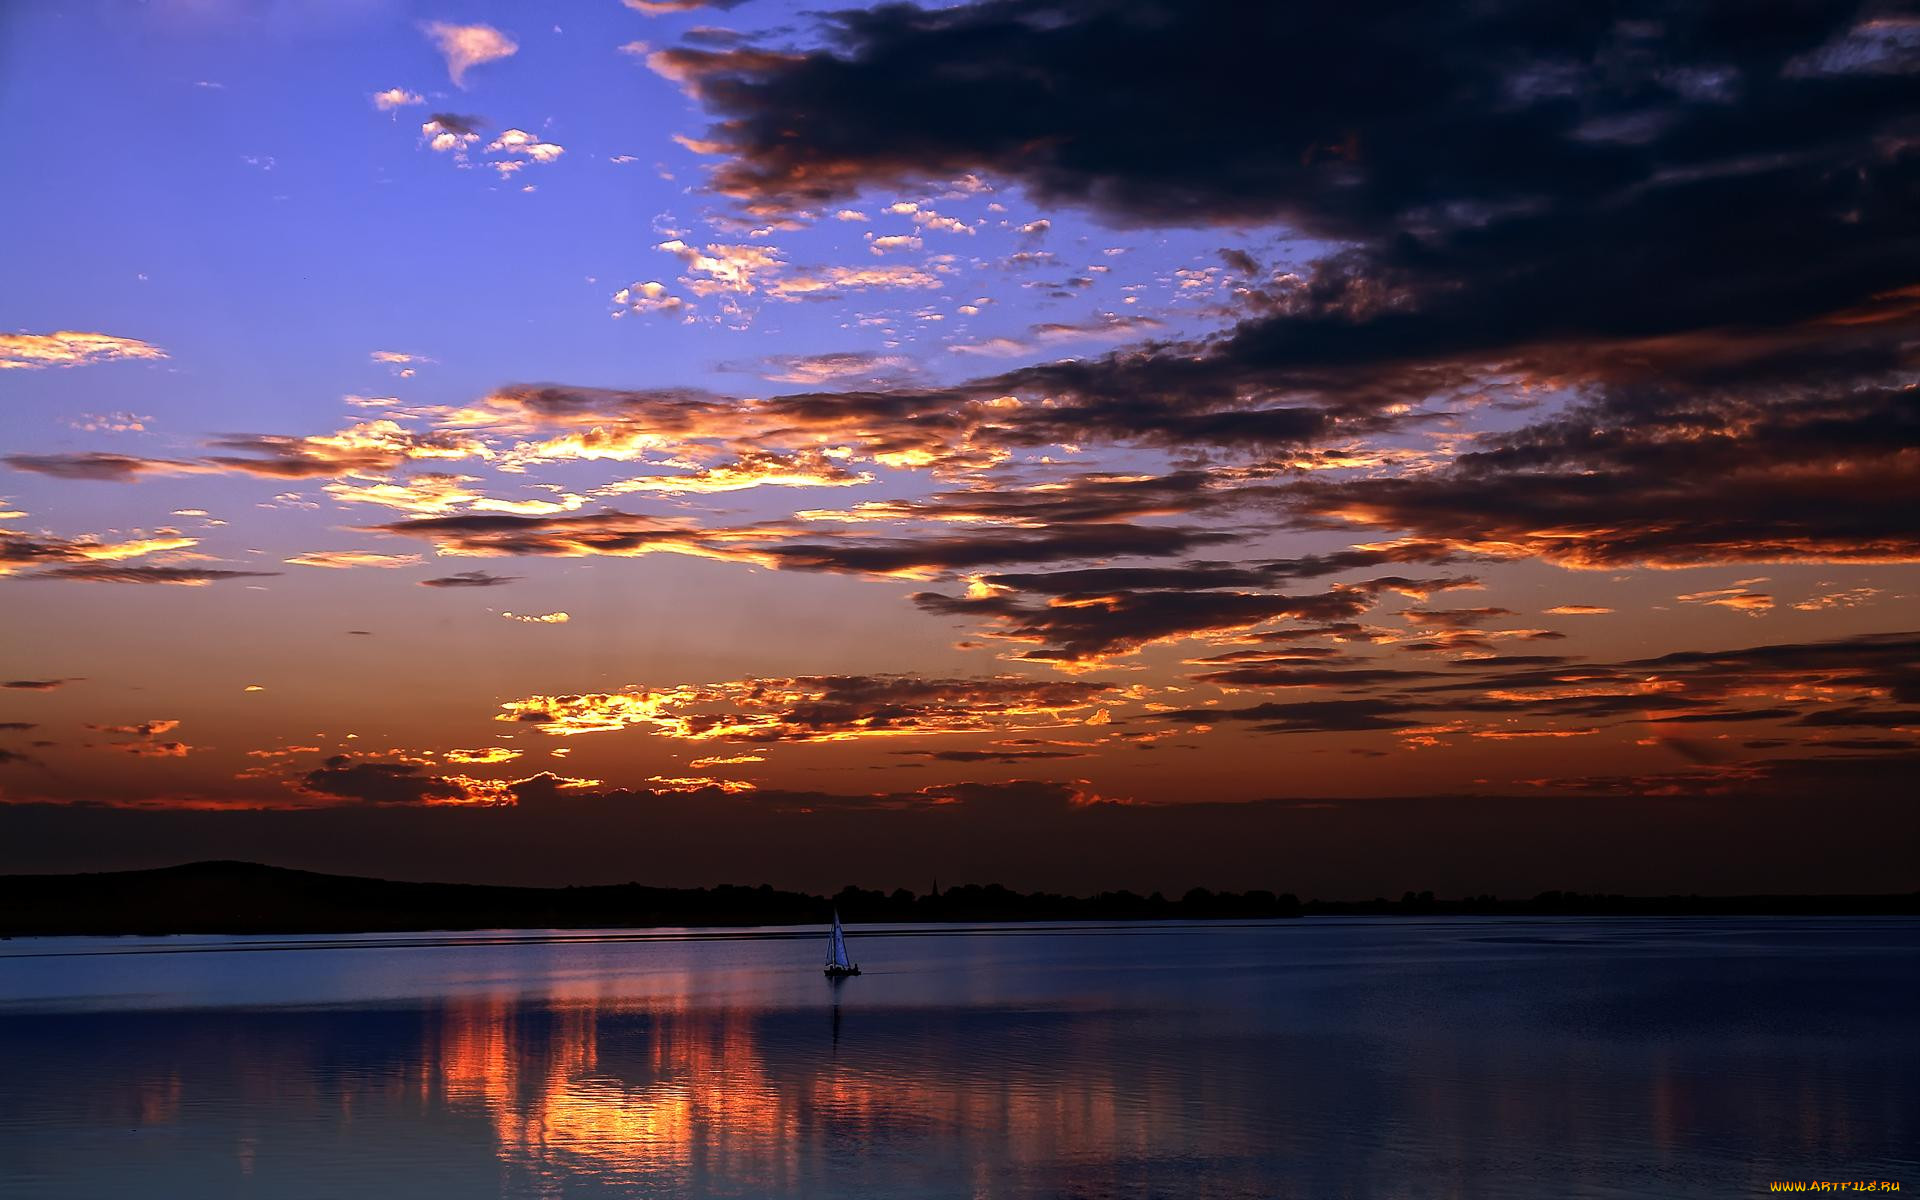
x=70, y=348
x=818, y=708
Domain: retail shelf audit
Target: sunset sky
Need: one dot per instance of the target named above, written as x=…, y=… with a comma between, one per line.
x=1111, y=443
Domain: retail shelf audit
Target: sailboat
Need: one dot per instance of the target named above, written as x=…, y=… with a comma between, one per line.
x=839, y=966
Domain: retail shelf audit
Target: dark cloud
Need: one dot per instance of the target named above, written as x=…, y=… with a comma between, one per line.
x=468, y=579
x=1207, y=575
x=459, y=124
x=345, y=777
x=96, y=465
x=797, y=546
x=1669, y=479
x=962, y=551
x=39, y=550
x=1487, y=134
x=1455, y=618
x=1072, y=629
x=1305, y=716
x=1850, y=715
x=369, y=448
x=1395, y=111
x=1516, y=204
x=36, y=685
x=1280, y=676
x=993, y=756
x=341, y=777
x=1853, y=682
x=116, y=573
x=1088, y=615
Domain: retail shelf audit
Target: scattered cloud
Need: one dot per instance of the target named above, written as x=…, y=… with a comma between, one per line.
x=468, y=579
x=394, y=98
x=347, y=559
x=468, y=46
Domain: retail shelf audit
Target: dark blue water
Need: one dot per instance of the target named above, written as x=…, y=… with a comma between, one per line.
x=1317, y=1058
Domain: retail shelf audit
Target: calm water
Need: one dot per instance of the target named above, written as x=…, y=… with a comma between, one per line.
x=1451, y=1057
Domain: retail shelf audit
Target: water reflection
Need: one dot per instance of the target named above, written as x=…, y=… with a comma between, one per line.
x=1366, y=1062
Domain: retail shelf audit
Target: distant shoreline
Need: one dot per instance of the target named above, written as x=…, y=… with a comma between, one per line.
x=250, y=898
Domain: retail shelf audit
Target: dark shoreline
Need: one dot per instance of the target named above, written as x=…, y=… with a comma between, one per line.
x=249, y=898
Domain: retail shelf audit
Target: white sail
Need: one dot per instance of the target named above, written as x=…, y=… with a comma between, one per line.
x=837, y=945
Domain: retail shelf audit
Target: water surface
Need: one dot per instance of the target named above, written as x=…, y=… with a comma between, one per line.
x=1478, y=1057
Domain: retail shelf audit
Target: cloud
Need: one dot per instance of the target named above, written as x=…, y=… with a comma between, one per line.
x=1738, y=599
x=468, y=46
x=446, y=133
x=699, y=783
x=399, y=778
x=650, y=297
x=520, y=142
x=1454, y=272
x=368, y=448
x=69, y=348
x=394, y=98
x=100, y=466
x=993, y=756
x=1078, y=618
x=147, y=743
x=19, y=550
x=180, y=576
x=347, y=559
x=1108, y=326
x=145, y=729
x=154, y=749
x=488, y=754
x=1079, y=630
x=1845, y=598
x=1454, y=618
x=1304, y=716
x=795, y=547
x=36, y=685
x=800, y=468
x=1668, y=480
x=658, y=8
x=840, y=367
x=1856, y=682
x=818, y=708
x=468, y=579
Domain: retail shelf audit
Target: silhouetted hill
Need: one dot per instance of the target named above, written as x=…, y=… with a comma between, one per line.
x=238, y=897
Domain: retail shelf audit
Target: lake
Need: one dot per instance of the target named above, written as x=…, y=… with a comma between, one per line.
x=1470, y=1057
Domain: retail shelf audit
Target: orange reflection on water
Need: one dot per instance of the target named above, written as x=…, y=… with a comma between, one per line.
x=677, y=1094
x=692, y=1096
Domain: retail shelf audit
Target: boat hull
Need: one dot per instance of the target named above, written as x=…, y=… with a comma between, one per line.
x=841, y=972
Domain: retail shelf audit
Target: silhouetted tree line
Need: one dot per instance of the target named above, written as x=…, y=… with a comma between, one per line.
x=232, y=897
x=992, y=902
